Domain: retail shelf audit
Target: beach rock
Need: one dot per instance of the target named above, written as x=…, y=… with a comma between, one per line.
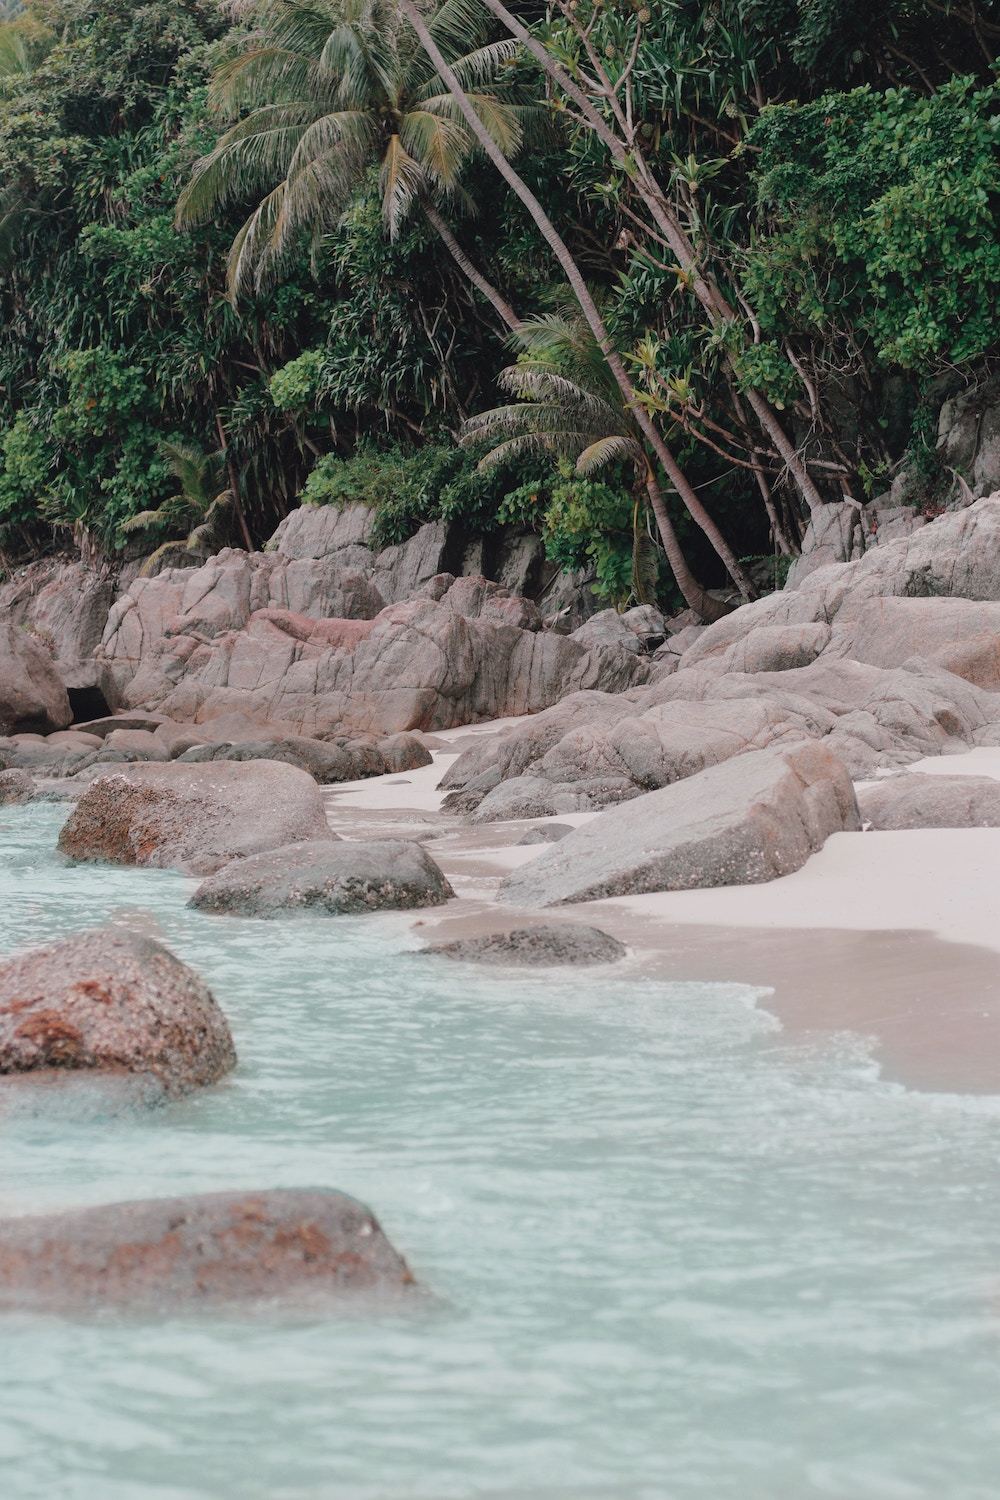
x=327, y=878
x=536, y=947
x=174, y=1254
x=751, y=819
x=113, y=1001
x=32, y=696
x=546, y=833
x=65, y=607
x=194, y=818
x=913, y=800
x=144, y=744
x=608, y=631
x=326, y=763
x=404, y=752
x=530, y=797
x=16, y=787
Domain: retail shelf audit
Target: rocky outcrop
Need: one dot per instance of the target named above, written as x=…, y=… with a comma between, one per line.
x=956, y=557
x=64, y=605
x=474, y=653
x=546, y=946
x=327, y=878
x=752, y=819
x=178, y=1253
x=113, y=1002
x=32, y=697
x=915, y=801
x=194, y=818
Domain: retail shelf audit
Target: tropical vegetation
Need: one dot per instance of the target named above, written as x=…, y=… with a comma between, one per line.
x=658, y=279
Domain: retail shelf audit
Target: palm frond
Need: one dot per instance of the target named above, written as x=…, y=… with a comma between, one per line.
x=608, y=450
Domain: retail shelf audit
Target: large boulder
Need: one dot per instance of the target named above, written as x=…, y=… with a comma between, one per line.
x=32, y=696
x=65, y=606
x=167, y=1254
x=327, y=878
x=114, y=1002
x=194, y=818
x=915, y=801
x=751, y=819
x=548, y=945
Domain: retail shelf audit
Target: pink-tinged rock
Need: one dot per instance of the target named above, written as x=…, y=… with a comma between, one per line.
x=16, y=787
x=170, y=1254
x=32, y=696
x=111, y=1001
x=194, y=818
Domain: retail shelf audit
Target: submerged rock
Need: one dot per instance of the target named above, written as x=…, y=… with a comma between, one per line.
x=174, y=1253
x=915, y=801
x=16, y=787
x=748, y=820
x=111, y=1000
x=537, y=947
x=327, y=877
x=194, y=818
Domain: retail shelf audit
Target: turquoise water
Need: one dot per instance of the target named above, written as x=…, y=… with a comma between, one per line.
x=674, y=1253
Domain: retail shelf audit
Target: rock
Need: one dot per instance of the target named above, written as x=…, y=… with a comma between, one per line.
x=194, y=818
x=328, y=877
x=530, y=797
x=419, y=665
x=751, y=819
x=74, y=739
x=16, y=787
x=404, y=752
x=101, y=728
x=775, y=648
x=546, y=833
x=32, y=697
x=145, y=745
x=113, y=1001
x=536, y=947
x=912, y=800
x=647, y=624
x=608, y=631
x=969, y=437
x=326, y=763
x=65, y=606
x=173, y=1254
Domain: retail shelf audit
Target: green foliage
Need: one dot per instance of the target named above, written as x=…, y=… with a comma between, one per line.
x=406, y=488
x=585, y=524
x=884, y=213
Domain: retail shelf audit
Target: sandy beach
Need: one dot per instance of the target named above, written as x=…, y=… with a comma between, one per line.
x=894, y=936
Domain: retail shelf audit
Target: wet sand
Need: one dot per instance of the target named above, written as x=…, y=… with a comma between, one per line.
x=895, y=936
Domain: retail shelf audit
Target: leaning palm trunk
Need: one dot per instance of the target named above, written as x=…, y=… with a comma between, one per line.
x=582, y=294
x=708, y=293
x=694, y=595
x=467, y=268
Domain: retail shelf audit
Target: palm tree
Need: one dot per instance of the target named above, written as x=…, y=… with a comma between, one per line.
x=583, y=295
x=198, y=508
x=332, y=87
x=568, y=406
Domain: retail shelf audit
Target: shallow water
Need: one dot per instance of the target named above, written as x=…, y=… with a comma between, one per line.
x=674, y=1254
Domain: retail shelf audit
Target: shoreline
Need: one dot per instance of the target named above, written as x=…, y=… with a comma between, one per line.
x=891, y=936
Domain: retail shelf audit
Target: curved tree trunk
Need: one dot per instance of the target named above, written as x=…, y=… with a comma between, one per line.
x=708, y=294
x=468, y=269
x=582, y=294
x=692, y=592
